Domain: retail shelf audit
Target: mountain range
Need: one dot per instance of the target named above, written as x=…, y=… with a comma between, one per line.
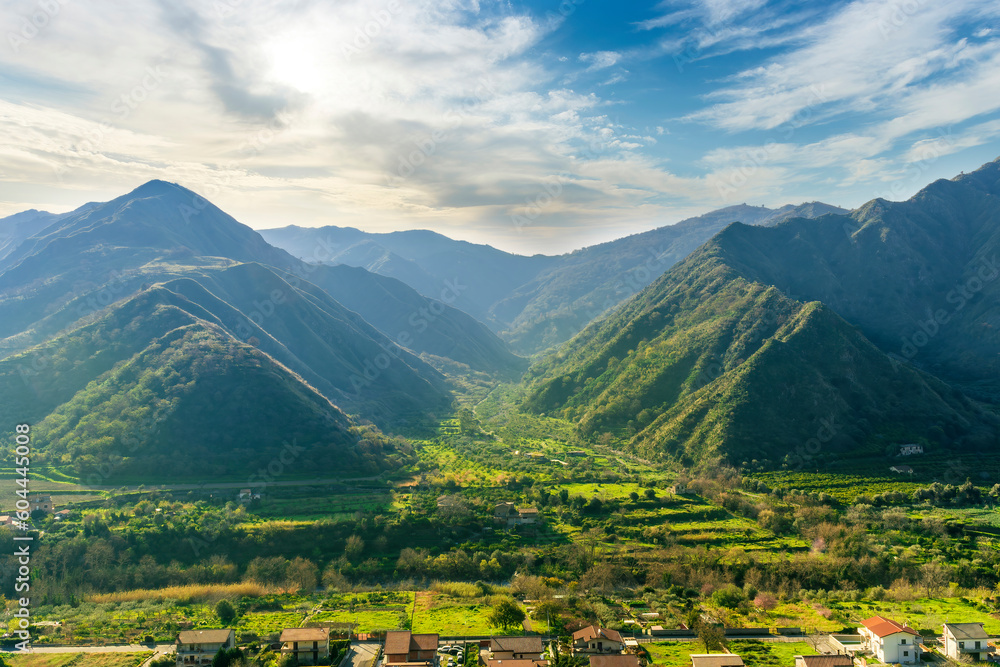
x=849, y=332
x=156, y=332
x=535, y=302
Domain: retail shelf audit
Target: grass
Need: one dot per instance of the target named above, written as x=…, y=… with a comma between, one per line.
x=186, y=594
x=76, y=659
x=769, y=654
x=266, y=623
x=365, y=621
x=449, y=616
x=673, y=654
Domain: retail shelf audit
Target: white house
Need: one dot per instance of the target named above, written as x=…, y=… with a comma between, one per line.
x=889, y=641
x=196, y=648
x=910, y=449
x=961, y=639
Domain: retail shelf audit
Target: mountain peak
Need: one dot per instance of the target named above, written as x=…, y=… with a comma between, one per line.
x=156, y=187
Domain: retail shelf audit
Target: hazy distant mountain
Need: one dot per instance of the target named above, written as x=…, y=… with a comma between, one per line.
x=562, y=300
x=743, y=349
x=424, y=260
x=534, y=302
x=14, y=229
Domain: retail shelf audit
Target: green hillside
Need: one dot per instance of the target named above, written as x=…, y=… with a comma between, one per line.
x=707, y=361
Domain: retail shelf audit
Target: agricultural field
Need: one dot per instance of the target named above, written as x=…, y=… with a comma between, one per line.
x=266, y=623
x=315, y=506
x=673, y=654
x=76, y=659
x=843, y=487
x=769, y=654
x=368, y=612
x=754, y=653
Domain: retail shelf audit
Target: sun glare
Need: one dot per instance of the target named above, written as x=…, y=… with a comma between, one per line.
x=296, y=64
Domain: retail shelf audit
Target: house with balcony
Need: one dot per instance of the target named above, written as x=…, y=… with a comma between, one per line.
x=310, y=646
x=966, y=640
x=198, y=647
x=889, y=641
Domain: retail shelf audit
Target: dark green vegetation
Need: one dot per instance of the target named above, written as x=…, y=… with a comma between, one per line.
x=741, y=350
x=535, y=302
x=154, y=332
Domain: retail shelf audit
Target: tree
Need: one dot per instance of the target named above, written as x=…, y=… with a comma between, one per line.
x=303, y=574
x=712, y=636
x=934, y=576
x=225, y=611
x=354, y=549
x=505, y=614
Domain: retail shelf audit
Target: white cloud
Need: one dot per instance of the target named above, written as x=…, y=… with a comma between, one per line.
x=600, y=59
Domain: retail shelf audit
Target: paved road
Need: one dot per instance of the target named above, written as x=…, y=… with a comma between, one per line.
x=161, y=649
x=361, y=654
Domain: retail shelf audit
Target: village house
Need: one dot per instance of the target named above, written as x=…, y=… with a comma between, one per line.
x=830, y=660
x=626, y=660
x=889, y=641
x=510, y=515
x=716, y=660
x=902, y=469
x=510, y=662
x=43, y=503
x=516, y=648
x=405, y=648
x=966, y=639
x=7, y=520
x=910, y=449
x=310, y=646
x=198, y=647
x=592, y=639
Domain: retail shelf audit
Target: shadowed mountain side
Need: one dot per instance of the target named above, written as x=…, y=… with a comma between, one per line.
x=705, y=362
x=175, y=393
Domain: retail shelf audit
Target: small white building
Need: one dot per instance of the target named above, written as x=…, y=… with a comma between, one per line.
x=889, y=641
x=911, y=449
x=966, y=639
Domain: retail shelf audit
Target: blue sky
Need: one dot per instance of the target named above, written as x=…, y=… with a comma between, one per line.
x=533, y=126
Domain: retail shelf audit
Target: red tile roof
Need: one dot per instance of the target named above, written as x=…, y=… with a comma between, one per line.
x=881, y=626
x=593, y=632
x=614, y=661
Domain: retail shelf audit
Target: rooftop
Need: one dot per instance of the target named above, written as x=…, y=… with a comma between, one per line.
x=614, y=661
x=966, y=630
x=826, y=660
x=881, y=626
x=305, y=634
x=716, y=660
x=516, y=644
x=217, y=636
x=593, y=632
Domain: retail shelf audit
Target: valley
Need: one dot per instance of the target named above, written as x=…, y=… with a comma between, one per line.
x=224, y=435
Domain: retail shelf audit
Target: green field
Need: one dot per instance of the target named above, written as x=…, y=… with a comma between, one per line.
x=365, y=621
x=754, y=653
x=76, y=659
